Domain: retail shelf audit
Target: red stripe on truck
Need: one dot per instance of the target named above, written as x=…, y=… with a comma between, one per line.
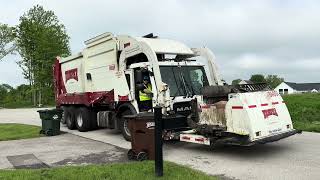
x=199, y=139
x=252, y=106
x=87, y=98
x=205, y=106
x=185, y=138
x=266, y=104
x=123, y=98
x=237, y=107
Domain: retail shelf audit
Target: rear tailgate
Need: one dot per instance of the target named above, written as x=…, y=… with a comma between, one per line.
x=257, y=114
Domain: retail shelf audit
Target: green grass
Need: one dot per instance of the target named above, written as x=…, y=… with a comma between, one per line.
x=15, y=105
x=134, y=171
x=18, y=131
x=23, y=104
x=304, y=110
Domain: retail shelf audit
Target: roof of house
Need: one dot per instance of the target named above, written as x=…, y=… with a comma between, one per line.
x=304, y=86
x=247, y=81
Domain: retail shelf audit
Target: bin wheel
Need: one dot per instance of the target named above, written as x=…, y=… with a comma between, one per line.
x=41, y=131
x=142, y=156
x=48, y=132
x=131, y=155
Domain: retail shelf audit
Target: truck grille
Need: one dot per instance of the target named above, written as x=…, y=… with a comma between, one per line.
x=183, y=108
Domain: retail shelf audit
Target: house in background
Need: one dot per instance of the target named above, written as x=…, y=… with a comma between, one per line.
x=245, y=82
x=290, y=87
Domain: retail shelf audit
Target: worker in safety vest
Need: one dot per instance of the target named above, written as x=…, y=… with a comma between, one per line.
x=145, y=95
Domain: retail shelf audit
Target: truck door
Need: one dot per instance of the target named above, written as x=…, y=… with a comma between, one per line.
x=131, y=84
x=139, y=75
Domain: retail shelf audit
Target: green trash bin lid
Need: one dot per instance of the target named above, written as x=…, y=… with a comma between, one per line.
x=50, y=114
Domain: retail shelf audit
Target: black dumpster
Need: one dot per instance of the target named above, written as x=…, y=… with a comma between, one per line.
x=50, y=121
x=142, y=136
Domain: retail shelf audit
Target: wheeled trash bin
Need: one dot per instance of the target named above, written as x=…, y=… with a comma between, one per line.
x=142, y=136
x=50, y=119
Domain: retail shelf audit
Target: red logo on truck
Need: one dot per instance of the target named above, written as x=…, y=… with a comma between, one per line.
x=72, y=74
x=269, y=112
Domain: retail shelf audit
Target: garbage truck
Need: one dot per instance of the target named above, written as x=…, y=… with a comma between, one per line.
x=99, y=86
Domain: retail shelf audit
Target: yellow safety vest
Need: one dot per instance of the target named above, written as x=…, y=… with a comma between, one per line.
x=144, y=96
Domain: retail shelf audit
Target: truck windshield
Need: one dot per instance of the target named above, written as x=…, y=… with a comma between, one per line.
x=184, y=80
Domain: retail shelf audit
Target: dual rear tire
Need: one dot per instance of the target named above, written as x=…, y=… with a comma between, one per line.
x=85, y=119
x=82, y=118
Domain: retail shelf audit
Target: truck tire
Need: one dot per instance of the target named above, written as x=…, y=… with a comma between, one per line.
x=124, y=125
x=63, y=119
x=83, y=119
x=69, y=117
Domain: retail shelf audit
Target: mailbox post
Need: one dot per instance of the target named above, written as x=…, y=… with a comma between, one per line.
x=158, y=141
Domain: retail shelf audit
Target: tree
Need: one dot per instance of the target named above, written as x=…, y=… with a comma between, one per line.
x=236, y=81
x=40, y=38
x=7, y=45
x=5, y=89
x=273, y=80
x=257, y=78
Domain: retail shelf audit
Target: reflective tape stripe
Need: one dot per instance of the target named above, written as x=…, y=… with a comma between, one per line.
x=237, y=107
x=199, y=139
x=252, y=106
x=205, y=106
x=185, y=137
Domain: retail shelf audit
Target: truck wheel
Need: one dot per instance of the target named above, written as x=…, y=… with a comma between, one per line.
x=83, y=119
x=124, y=126
x=68, y=115
x=63, y=119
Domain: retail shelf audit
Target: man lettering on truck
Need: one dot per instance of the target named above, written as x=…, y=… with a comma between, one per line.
x=145, y=95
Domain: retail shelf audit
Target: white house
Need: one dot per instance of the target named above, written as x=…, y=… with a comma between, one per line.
x=290, y=87
x=245, y=82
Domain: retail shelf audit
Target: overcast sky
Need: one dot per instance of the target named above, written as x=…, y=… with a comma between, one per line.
x=247, y=37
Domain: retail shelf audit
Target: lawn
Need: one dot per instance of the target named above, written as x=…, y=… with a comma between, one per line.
x=136, y=170
x=18, y=131
x=304, y=110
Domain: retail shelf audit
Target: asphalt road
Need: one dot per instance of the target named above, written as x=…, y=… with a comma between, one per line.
x=297, y=157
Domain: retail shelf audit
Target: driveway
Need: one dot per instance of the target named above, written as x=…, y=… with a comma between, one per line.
x=65, y=149
x=297, y=157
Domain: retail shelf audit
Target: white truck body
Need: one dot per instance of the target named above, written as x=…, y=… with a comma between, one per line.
x=103, y=76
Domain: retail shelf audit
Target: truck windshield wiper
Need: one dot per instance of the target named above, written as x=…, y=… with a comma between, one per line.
x=191, y=85
x=178, y=87
x=187, y=90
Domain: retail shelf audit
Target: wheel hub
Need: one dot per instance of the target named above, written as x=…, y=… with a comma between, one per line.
x=79, y=120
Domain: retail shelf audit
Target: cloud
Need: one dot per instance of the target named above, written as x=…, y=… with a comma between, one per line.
x=246, y=36
x=296, y=70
